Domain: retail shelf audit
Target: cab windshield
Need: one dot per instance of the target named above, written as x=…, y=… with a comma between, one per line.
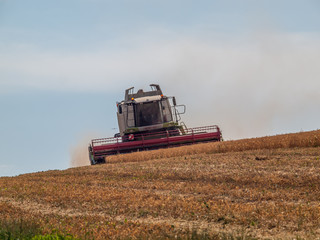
x=147, y=114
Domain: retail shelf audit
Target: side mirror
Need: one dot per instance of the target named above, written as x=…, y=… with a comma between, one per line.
x=174, y=101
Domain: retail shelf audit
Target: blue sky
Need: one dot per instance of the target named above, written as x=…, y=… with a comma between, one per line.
x=252, y=67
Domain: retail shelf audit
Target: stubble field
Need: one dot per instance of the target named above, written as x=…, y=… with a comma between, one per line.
x=247, y=189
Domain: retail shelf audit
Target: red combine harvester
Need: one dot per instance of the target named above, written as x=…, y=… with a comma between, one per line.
x=149, y=120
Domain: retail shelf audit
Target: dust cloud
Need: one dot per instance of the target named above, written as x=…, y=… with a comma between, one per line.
x=267, y=86
x=79, y=153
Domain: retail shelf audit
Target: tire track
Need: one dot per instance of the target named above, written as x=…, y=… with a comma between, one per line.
x=200, y=225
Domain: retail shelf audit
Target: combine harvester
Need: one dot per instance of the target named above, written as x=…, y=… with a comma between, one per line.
x=147, y=120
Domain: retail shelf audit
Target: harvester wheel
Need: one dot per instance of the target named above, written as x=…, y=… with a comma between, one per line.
x=100, y=160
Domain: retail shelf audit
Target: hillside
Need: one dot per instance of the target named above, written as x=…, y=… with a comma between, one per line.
x=253, y=188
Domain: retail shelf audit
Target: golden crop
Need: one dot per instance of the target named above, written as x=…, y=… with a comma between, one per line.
x=264, y=187
x=293, y=140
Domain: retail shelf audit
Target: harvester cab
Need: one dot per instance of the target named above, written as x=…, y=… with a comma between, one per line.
x=147, y=112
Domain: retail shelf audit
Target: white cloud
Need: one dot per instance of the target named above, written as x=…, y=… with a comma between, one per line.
x=246, y=86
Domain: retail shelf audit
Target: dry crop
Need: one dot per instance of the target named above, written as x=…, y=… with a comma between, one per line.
x=292, y=140
x=255, y=188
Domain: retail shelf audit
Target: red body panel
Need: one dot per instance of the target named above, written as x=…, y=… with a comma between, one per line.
x=110, y=146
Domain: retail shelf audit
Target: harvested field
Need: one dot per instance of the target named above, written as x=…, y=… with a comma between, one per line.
x=256, y=188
